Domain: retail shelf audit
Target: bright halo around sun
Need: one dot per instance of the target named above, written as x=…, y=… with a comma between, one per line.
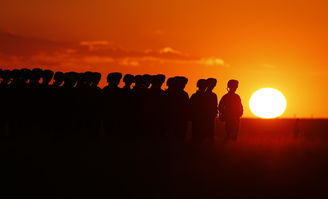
x=268, y=103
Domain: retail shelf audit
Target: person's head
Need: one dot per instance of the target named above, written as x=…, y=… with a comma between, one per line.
x=128, y=80
x=169, y=82
x=113, y=79
x=146, y=79
x=6, y=77
x=181, y=82
x=25, y=75
x=58, y=78
x=82, y=80
x=96, y=77
x=35, y=76
x=157, y=80
x=211, y=83
x=232, y=85
x=47, y=76
x=70, y=79
x=202, y=84
x=138, y=81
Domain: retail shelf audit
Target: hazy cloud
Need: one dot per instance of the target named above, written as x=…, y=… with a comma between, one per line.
x=17, y=50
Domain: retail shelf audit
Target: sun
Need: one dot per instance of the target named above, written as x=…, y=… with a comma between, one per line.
x=267, y=103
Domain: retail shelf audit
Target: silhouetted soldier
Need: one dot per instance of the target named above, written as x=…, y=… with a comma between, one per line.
x=177, y=108
x=128, y=81
x=2, y=102
x=128, y=108
x=68, y=102
x=138, y=82
x=155, y=107
x=231, y=109
x=211, y=109
x=94, y=100
x=96, y=77
x=14, y=78
x=36, y=75
x=19, y=107
x=47, y=103
x=82, y=81
x=57, y=101
x=34, y=101
x=6, y=100
x=146, y=81
x=140, y=95
x=6, y=78
x=112, y=104
x=87, y=101
x=197, y=115
x=47, y=76
x=58, y=79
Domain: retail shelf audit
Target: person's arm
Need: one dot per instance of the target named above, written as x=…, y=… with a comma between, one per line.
x=215, y=103
x=241, y=109
x=221, y=104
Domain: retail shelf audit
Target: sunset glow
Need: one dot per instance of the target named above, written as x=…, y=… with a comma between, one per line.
x=267, y=103
x=259, y=43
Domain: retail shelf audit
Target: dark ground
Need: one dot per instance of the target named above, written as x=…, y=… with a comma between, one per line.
x=266, y=162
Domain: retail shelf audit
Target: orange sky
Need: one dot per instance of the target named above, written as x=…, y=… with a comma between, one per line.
x=271, y=43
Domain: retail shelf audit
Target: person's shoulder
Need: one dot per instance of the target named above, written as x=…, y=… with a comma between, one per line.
x=213, y=94
x=194, y=95
x=225, y=95
x=185, y=94
x=236, y=95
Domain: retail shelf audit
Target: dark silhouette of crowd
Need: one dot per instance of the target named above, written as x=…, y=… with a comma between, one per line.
x=42, y=101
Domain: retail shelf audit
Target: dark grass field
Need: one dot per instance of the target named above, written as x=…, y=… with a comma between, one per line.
x=266, y=162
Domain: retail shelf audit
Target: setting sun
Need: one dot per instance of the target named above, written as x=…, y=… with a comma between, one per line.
x=267, y=103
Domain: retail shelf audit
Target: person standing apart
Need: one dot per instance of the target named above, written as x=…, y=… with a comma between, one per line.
x=230, y=110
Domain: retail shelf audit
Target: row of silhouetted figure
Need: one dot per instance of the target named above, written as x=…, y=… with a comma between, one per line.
x=71, y=103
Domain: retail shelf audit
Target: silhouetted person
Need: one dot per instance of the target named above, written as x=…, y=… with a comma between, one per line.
x=155, y=107
x=138, y=82
x=6, y=78
x=211, y=109
x=82, y=80
x=96, y=77
x=6, y=99
x=177, y=108
x=47, y=76
x=87, y=118
x=146, y=80
x=2, y=120
x=231, y=109
x=128, y=106
x=112, y=104
x=19, y=108
x=34, y=101
x=128, y=81
x=140, y=98
x=58, y=79
x=70, y=79
x=68, y=104
x=197, y=115
x=47, y=102
x=36, y=75
x=57, y=100
x=94, y=103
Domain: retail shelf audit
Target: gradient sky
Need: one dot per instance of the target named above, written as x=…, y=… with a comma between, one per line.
x=271, y=43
